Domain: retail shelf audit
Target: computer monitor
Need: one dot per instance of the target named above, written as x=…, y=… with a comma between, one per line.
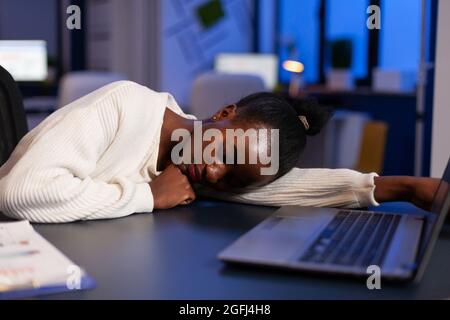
x=25, y=60
x=263, y=65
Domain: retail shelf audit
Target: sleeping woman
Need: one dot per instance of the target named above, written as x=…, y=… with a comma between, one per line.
x=111, y=154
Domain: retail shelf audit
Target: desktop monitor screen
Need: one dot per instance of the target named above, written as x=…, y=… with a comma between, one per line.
x=263, y=65
x=25, y=60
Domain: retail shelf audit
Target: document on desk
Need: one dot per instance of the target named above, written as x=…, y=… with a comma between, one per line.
x=30, y=265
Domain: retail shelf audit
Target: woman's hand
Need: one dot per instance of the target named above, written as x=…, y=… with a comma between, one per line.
x=171, y=189
x=423, y=191
x=419, y=191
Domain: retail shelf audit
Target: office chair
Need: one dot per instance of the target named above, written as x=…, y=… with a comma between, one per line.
x=13, y=123
x=214, y=90
x=75, y=85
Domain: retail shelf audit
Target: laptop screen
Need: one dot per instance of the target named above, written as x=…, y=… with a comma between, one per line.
x=442, y=193
x=435, y=219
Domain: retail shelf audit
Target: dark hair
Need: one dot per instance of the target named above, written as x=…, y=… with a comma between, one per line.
x=278, y=112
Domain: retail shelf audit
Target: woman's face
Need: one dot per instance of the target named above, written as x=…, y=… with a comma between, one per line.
x=230, y=175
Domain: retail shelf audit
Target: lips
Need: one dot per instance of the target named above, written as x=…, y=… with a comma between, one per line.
x=194, y=173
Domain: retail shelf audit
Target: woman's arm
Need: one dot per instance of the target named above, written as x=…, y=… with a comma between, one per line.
x=419, y=191
x=334, y=188
x=50, y=180
x=309, y=187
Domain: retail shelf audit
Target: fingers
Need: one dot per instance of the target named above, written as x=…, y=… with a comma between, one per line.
x=189, y=196
x=172, y=170
x=172, y=188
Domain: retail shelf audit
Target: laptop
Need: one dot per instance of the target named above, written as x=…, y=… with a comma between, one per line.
x=346, y=242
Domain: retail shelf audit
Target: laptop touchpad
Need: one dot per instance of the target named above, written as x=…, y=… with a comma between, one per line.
x=279, y=238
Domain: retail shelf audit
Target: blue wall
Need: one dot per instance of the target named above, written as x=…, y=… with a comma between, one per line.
x=29, y=20
x=188, y=49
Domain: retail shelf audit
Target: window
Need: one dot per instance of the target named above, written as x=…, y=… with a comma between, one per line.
x=400, y=35
x=346, y=19
x=299, y=36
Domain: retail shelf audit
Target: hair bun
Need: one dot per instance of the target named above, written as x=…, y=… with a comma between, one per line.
x=316, y=115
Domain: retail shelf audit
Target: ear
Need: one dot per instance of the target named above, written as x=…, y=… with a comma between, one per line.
x=226, y=113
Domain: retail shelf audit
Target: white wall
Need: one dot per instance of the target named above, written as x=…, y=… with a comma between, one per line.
x=135, y=37
x=123, y=37
x=441, y=113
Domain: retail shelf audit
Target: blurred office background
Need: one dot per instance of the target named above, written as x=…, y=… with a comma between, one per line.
x=208, y=53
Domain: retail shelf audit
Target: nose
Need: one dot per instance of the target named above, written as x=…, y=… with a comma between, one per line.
x=215, y=172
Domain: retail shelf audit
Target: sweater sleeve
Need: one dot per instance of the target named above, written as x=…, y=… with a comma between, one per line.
x=51, y=181
x=310, y=187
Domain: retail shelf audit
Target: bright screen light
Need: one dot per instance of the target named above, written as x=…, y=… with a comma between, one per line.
x=262, y=65
x=24, y=60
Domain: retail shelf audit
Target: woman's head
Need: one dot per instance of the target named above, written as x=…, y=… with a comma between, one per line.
x=293, y=120
x=275, y=112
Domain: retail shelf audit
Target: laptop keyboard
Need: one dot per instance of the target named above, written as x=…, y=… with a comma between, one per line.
x=354, y=238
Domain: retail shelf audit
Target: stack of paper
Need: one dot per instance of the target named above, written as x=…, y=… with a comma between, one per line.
x=30, y=265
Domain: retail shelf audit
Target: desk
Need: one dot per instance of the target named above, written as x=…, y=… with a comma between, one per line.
x=172, y=255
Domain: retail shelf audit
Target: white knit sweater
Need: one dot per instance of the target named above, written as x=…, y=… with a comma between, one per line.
x=94, y=159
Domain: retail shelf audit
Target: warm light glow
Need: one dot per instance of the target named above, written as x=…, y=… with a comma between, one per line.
x=293, y=66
